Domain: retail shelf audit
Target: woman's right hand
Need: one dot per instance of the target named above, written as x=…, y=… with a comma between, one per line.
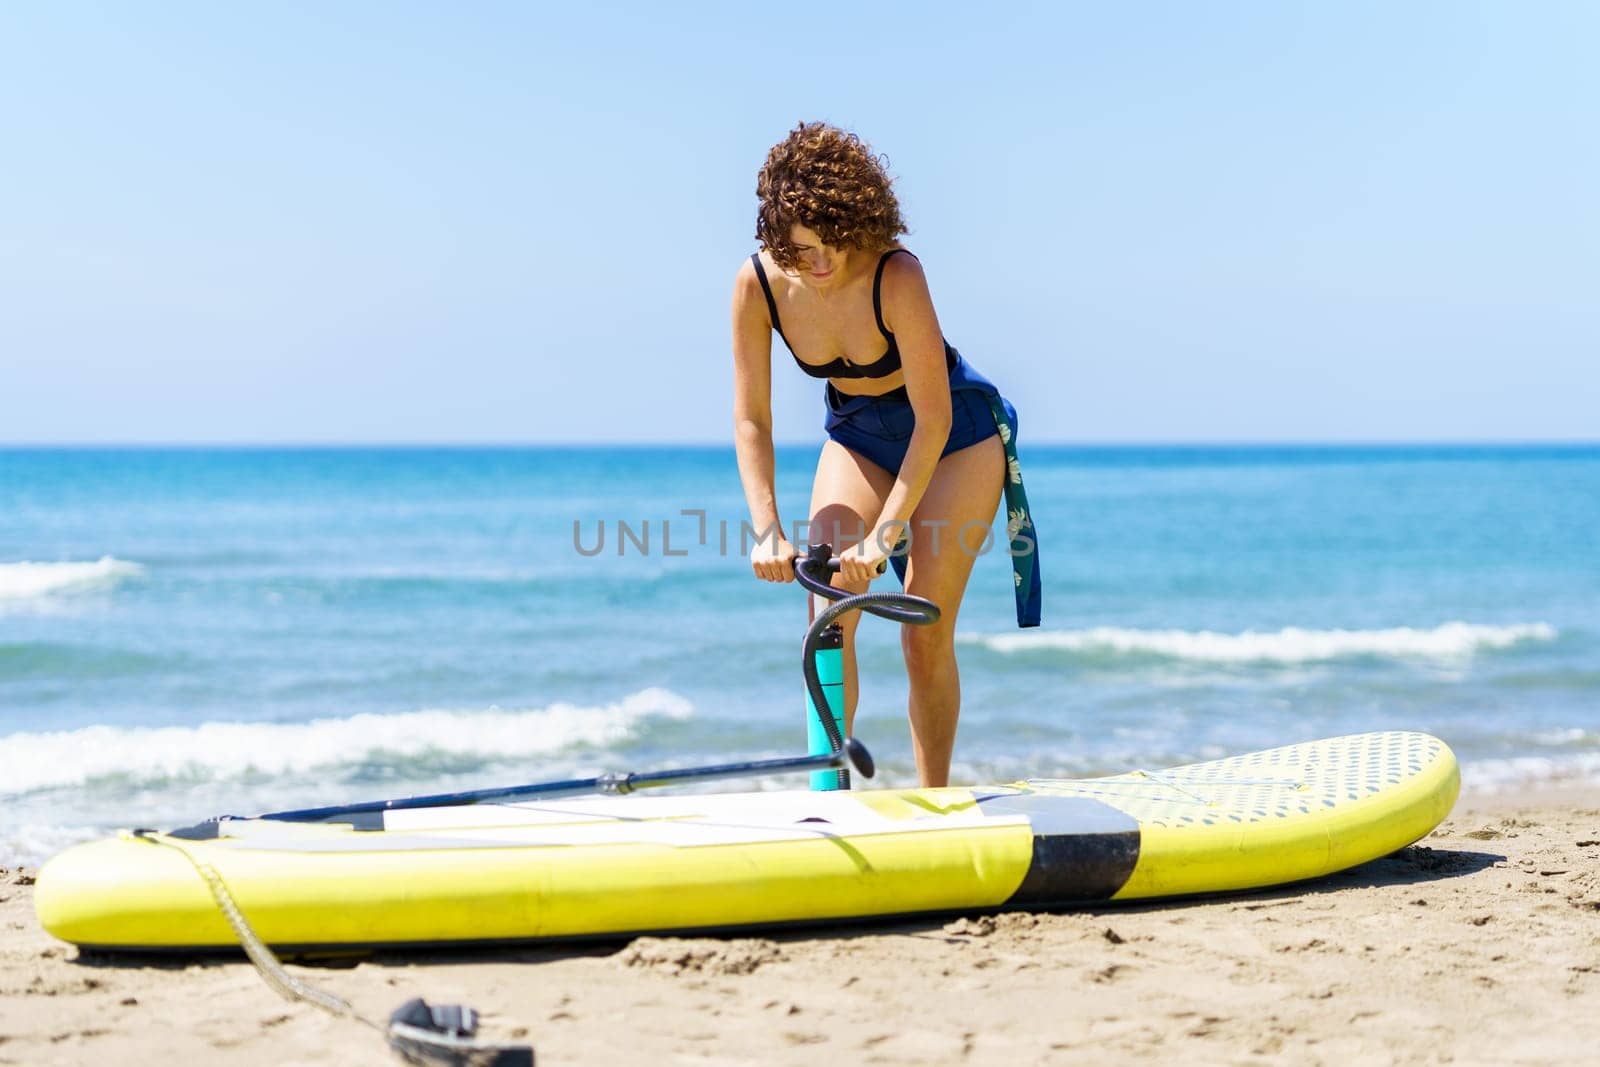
x=773, y=563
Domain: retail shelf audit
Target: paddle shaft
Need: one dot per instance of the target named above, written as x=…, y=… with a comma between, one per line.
x=853, y=752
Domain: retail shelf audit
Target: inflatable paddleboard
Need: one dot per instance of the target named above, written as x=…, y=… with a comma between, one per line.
x=620, y=866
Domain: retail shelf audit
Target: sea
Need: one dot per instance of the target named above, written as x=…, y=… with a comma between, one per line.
x=189, y=632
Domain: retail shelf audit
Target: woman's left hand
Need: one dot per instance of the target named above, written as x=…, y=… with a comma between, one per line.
x=862, y=563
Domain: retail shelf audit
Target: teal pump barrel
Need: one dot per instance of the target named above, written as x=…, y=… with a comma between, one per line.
x=829, y=658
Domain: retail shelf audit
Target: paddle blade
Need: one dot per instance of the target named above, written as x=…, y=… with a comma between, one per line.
x=860, y=758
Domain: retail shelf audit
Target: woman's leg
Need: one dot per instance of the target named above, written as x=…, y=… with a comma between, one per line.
x=960, y=502
x=848, y=493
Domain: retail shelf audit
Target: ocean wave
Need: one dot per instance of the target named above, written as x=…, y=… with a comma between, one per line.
x=1452, y=642
x=213, y=750
x=29, y=845
x=1515, y=773
x=30, y=581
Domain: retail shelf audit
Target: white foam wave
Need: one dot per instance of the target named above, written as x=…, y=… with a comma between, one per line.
x=1452, y=641
x=31, y=761
x=31, y=844
x=27, y=581
x=1517, y=773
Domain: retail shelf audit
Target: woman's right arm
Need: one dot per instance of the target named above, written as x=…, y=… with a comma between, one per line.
x=772, y=557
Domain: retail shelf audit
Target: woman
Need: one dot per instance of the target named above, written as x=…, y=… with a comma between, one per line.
x=919, y=444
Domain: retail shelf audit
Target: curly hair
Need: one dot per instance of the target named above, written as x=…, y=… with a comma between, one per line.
x=826, y=180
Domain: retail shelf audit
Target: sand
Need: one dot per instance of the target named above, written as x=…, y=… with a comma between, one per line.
x=1480, y=944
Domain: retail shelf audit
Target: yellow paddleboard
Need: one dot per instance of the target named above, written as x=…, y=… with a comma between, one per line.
x=613, y=866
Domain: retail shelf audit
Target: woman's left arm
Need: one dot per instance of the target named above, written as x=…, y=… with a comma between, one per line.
x=908, y=314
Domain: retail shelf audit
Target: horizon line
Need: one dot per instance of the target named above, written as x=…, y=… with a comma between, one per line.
x=313, y=444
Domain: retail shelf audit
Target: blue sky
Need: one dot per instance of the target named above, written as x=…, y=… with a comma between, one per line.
x=485, y=222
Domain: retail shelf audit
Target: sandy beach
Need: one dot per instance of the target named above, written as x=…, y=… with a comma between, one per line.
x=1480, y=944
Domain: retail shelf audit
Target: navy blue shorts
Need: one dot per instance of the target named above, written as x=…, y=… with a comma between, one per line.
x=879, y=428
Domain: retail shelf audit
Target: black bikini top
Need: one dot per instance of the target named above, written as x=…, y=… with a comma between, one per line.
x=885, y=365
